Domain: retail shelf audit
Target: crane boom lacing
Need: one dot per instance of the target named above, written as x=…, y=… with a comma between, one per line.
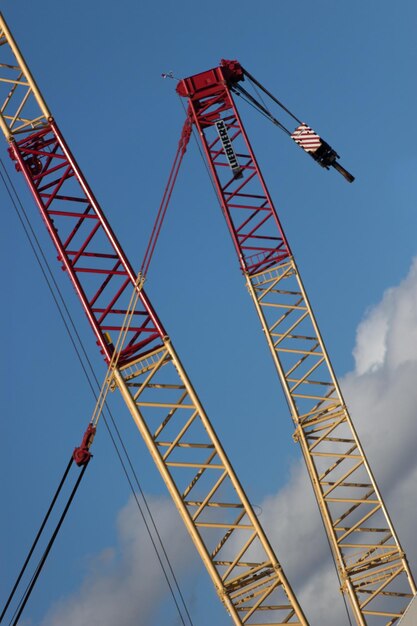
x=372, y=566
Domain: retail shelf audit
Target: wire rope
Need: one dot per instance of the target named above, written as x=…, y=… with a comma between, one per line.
x=268, y=93
x=247, y=97
x=259, y=94
x=31, y=585
x=200, y=152
x=52, y=284
x=147, y=525
x=156, y=231
x=35, y=542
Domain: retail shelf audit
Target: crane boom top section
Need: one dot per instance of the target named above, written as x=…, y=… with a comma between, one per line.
x=256, y=231
x=206, y=83
x=232, y=74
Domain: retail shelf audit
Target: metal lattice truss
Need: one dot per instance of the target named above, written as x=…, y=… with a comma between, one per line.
x=22, y=107
x=154, y=385
x=212, y=503
x=87, y=247
x=371, y=564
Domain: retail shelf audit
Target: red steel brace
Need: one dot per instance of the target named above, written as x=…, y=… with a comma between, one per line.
x=246, y=203
x=87, y=247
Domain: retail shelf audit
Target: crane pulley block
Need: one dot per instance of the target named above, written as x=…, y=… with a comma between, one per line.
x=82, y=454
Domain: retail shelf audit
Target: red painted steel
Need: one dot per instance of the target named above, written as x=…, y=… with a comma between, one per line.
x=87, y=247
x=244, y=197
x=82, y=454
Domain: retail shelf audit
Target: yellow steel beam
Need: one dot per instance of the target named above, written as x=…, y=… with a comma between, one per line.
x=244, y=569
x=341, y=477
x=21, y=103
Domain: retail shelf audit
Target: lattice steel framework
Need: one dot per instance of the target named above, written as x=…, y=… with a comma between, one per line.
x=233, y=546
x=372, y=566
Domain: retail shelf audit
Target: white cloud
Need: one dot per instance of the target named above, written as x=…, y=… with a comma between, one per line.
x=370, y=349
x=382, y=395
x=125, y=586
x=388, y=334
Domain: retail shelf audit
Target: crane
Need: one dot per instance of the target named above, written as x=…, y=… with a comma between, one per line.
x=148, y=373
x=372, y=567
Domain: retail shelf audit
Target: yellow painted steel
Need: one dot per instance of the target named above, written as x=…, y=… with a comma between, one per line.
x=221, y=522
x=21, y=104
x=372, y=566
x=223, y=525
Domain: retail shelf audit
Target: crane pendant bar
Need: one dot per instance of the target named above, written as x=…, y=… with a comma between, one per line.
x=149, y=375
x=372, y=567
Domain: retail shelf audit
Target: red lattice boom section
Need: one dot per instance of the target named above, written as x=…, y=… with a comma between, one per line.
x=249, y=211
x=86, y=244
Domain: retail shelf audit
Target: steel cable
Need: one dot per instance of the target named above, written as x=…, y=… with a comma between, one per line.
x=268, y=93
x=31, y=585
x=52, y=285
x=35, y=542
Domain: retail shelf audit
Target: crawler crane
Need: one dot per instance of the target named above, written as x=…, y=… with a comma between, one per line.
x=372, y=567
x=148, y=374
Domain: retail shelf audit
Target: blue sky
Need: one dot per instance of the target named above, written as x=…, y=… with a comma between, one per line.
x=348, y=70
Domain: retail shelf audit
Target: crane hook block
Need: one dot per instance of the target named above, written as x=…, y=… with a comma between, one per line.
x=319, y=149
x=82, y=454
